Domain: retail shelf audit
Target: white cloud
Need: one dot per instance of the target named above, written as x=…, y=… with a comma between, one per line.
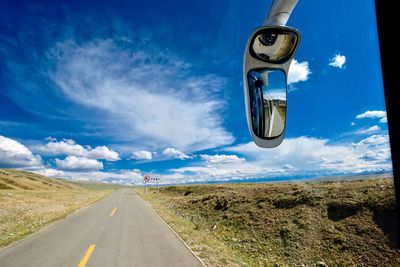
x=50, y=172
x=338, y=61
x=311, y=155
x=298, y=72
x=353, y=123
x=298, y=157
x=370, y=130
x=120, y=176
x=15, y=155
x=215, y=173
x=117, y=86
x=70, y=148
x=373, y=140
x=383, y=120
x=175, y=153
x=216, y=159
x=143, y=155
x=373, y=114
x=288, y=167
x=63, y=147
x=73, y=163
x=102, y=152
x=295, y=156
x=50, y=139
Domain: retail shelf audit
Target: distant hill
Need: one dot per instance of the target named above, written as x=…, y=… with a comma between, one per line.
x=23, y=180
x=93, y=185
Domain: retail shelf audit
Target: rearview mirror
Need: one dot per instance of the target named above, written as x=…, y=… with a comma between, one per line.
x=267, y=58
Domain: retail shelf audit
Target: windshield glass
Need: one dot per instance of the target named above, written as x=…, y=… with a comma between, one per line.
x=111, y=92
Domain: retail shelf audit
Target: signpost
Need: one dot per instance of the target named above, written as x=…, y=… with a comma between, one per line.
x=157, y=180
x=148, y=179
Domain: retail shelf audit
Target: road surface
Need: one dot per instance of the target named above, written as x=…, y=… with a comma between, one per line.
x=119, y=230
x=277, y=123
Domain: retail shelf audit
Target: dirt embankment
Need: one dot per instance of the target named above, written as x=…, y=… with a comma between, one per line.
x=311, y=224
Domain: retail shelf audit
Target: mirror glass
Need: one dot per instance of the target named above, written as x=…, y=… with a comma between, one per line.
x=267, y=91
x=274, y=45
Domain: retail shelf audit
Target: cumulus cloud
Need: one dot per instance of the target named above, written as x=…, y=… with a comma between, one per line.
x=70, y=148
x=373, y=114
x=117, y=85
x=73, y=163
x=300, y=156
x=63, y=147
x=369, y=130
x=15, y=155
x=147, y=155
x=313, y=154
x=216, y=159
x=295, y=156
x=373, y=141
x=102, y=152
x=298, y=72
x=338, y=61
x=118, y=177
x=213, y=173
x=175, y=153
x=49, y=172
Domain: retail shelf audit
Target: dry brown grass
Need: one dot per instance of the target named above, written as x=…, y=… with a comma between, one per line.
x=28, y=202
x=350, y=223
x=15, y=179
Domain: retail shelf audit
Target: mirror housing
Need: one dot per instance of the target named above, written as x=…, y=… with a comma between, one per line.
x=268, y=48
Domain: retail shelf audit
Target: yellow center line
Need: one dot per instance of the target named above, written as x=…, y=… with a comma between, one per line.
x=86, y=258
x=113, y=211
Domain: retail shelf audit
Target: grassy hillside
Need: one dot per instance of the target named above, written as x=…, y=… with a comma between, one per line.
x=349, y=223
x=29, y=202
x=15, y=179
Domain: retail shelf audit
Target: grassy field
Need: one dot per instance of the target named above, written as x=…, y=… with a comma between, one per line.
x=29, y=202
x=350, y=223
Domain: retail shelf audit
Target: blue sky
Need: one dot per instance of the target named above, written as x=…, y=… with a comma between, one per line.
x=112, y=91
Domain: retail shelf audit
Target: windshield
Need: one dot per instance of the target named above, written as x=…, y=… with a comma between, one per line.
x=111, y=92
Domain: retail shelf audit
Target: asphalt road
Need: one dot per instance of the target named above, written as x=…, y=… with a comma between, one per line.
x=277, y=123
x=119, y=230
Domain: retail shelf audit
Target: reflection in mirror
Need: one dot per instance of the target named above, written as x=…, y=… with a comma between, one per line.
x=272, y=45
x=267, y=91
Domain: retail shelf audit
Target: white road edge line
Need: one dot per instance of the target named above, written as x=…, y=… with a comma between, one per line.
x=173, y=231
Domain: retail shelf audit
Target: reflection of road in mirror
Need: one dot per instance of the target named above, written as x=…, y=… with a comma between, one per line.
x=277, y=121
x=268, y=102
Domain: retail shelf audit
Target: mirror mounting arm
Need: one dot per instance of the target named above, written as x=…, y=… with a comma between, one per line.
x=280, y=12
